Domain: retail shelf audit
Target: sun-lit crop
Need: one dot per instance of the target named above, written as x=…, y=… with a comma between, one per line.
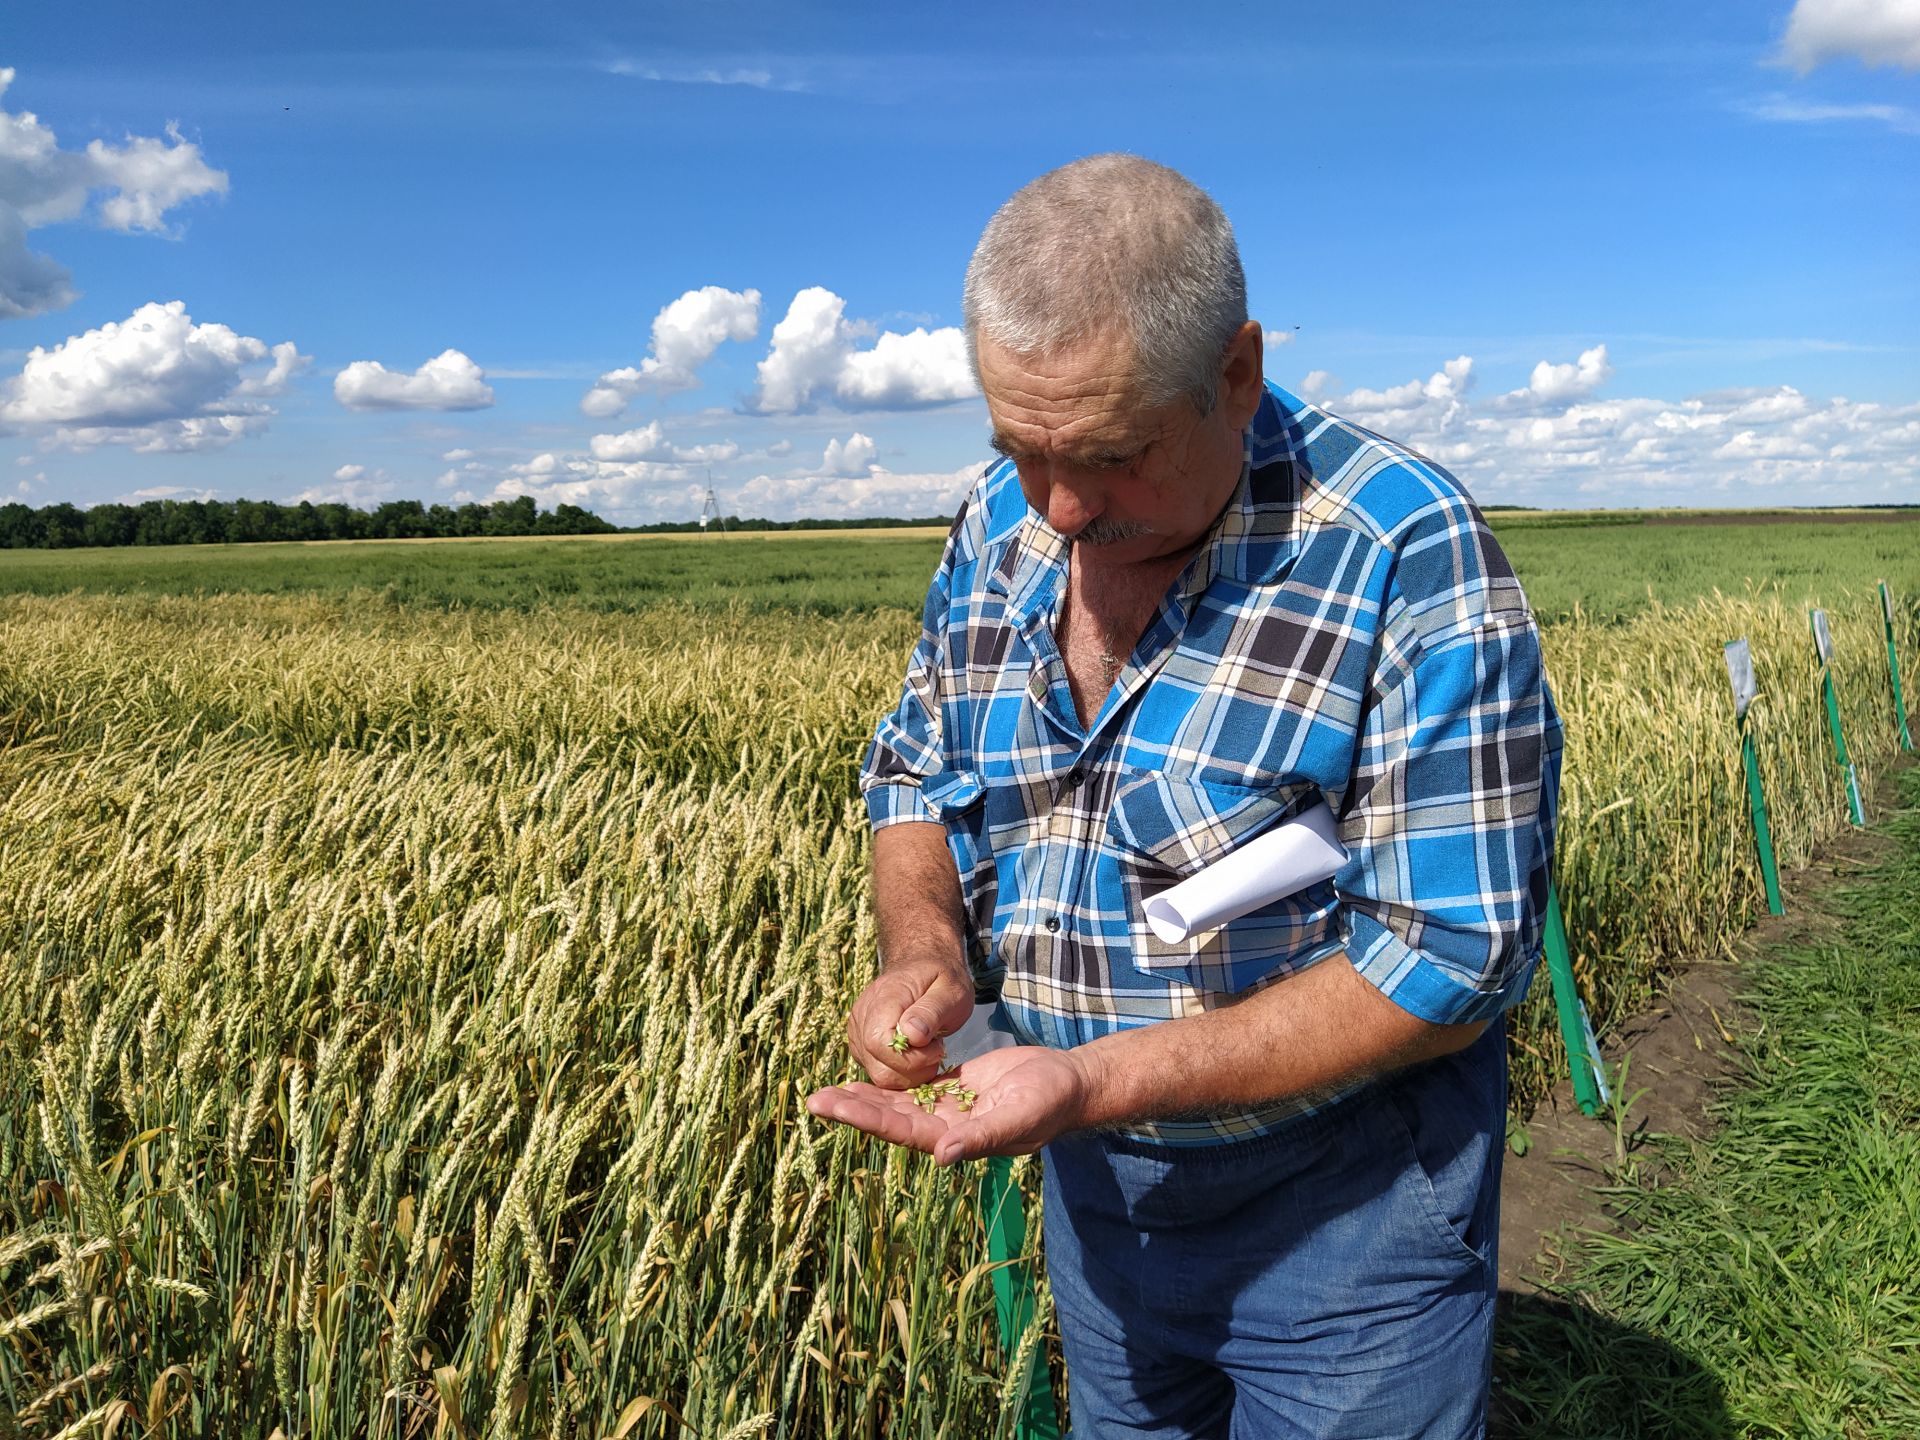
x=405, y=1014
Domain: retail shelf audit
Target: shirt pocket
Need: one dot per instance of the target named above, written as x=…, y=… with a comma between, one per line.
x=1163, y=828
x=954, y=798
x=951, y=793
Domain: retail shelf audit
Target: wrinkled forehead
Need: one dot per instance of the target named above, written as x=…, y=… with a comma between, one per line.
x=1065, y=402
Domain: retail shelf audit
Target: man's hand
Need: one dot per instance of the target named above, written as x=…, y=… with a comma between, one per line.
x=1319, y=1031
x=924, y=1000
x=1024, y=1097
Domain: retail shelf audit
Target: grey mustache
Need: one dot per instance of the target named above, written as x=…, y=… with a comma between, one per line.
x=1102, y=531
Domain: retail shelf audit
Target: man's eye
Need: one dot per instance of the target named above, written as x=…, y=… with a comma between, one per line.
x=1111, y=461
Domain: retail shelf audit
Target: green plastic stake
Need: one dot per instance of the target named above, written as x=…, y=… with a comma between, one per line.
x=1762, y=832
x=1576, y=1030
x=1823, y=647
x=1013, y=1293
x=1745, y=690
x=1893, y=669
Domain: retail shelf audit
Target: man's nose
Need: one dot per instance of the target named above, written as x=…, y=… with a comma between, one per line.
x=1072, y=501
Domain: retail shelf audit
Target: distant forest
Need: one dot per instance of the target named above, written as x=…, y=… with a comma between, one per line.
x=238, y=522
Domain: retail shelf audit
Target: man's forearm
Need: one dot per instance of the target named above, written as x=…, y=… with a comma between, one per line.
x=917, y=909
x=1313, y=1033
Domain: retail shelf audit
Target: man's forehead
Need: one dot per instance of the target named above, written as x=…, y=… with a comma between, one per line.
x=1064, y=403
x=1117, y=434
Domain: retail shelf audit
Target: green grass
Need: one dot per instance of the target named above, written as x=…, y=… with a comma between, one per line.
x=1772, y=1286
x=1610, y=566
x=1610, y=571
x=837, y=574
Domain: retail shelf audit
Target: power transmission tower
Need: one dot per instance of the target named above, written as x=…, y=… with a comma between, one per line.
x=711, y=509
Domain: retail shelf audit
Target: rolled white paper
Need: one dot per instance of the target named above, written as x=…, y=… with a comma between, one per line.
x=986, y=1029
x=1267, y=868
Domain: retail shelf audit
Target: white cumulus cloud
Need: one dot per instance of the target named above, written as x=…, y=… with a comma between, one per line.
x=816, y=352
x=449, y=381
x=809, y=345
x=686, y=333
x=626, y=490
x=130, y=186
x=921, y=367
x=364, y=489
x=164, y=492
x=1876, y=32
x=852, y=456
x=287, y=363
x=650, y=443
x=1555, y=441
x=155, y=381
x=875, y=493
x=29, y=283
x=1442, y=393
x=1552, y=384
x=633, y=475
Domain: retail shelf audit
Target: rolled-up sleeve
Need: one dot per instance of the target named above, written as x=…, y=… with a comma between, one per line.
x=1449, y=830
x=907, y=745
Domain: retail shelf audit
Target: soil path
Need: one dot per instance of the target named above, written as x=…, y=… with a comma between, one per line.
x=1681, y=1052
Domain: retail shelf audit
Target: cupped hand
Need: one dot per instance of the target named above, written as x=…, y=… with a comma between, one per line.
x=924, y=1000
x=1024, y=1097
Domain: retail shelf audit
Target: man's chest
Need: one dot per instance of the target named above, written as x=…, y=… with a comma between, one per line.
x=1098, y=630
x=1246, y=687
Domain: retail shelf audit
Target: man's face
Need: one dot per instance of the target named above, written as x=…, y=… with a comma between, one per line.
x=1125, y=481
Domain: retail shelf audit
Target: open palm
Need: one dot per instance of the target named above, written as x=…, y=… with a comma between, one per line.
x=1024, y=1096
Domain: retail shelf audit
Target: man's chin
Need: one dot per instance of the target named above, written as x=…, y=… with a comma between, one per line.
x=1134, y=550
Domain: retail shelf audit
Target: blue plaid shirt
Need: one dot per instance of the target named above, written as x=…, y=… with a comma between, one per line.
x=1349, y=631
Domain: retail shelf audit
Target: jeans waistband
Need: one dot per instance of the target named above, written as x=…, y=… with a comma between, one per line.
x=1289, y=1133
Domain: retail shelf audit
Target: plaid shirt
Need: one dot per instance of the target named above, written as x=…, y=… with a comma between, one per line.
x=1349, y=631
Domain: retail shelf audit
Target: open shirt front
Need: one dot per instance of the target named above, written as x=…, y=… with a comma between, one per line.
x=1348, y=631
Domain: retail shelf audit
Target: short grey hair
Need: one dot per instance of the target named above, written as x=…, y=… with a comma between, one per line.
x=1112, y=244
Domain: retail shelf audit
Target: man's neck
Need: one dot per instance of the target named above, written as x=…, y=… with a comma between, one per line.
x=1155, y=572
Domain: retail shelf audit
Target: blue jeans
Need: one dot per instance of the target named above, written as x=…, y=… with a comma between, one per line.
x=1334, y=1279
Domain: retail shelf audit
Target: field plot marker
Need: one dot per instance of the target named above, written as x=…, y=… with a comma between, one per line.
x=1823, y=647
x=1893, y=669
x=1576, y=1030
x=1740, y=673
x=1006, y=1225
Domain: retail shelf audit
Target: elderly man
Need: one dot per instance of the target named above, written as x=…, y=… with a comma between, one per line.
x=1184, y=607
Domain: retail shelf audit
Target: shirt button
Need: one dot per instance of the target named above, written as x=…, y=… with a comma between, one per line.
x=1074, y=777
x=1053, y=923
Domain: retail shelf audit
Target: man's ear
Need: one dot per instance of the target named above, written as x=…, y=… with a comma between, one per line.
x=1242, y=377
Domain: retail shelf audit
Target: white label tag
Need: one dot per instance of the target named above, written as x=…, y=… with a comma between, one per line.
x=1740, y=673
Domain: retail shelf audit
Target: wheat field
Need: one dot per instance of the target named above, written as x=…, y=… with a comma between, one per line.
x=405, y=1014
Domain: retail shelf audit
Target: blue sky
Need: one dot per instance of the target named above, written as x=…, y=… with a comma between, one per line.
x=1585, y=255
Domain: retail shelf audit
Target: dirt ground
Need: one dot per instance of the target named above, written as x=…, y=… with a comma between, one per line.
x=1682, y=1051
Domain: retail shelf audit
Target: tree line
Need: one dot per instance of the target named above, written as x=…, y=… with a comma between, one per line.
x=65, y=525
x=230, y=522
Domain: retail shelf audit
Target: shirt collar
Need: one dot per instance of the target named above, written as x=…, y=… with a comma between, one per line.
x=1252, y=543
